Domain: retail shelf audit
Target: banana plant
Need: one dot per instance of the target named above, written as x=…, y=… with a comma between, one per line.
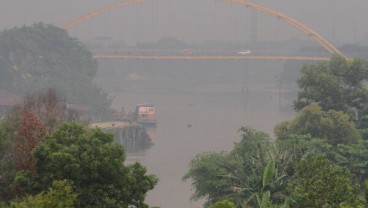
x=263, y=198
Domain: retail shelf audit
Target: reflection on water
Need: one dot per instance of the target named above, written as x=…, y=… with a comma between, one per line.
x=195, y=114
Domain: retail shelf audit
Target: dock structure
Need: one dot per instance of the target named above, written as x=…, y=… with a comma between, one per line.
x=132, y=135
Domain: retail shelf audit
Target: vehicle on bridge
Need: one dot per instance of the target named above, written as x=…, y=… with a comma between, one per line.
x=244, y=52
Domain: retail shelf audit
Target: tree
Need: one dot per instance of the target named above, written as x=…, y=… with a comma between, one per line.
x=94, y=163
x=43, y=56
x=223, y=204
x=322, y=184
x=51, y=107
x=355, y=158
x=22, y=133
x=40, y=51
x=335, y=85
x=60, y=195
x=31, y=132
x=2, y=139
x=334, y=126
x=237, y=175
x=23, y=128
x=208, y=175
x=10, y=126
x=263, y=198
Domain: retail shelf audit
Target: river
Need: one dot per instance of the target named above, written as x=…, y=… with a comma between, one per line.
x=200, y=107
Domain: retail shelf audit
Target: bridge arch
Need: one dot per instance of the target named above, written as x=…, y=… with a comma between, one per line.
x=292, y=22
x=100, y=11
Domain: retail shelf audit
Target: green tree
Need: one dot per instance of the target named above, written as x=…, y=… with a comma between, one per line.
x=335, y=85
x=94, y=163
x=354, y=156
x=223, y=204
x=237, y=175
x=209, y=177
x=2, y=139
x=322, y=184
x=10, y=126
x=334, y=126
x=61, y=195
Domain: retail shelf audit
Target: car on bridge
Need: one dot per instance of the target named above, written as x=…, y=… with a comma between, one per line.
x=244, y=52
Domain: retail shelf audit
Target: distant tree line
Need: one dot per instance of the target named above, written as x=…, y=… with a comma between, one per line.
x=43, y=56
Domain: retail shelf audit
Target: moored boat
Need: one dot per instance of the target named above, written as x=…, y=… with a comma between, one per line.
x=145, y=114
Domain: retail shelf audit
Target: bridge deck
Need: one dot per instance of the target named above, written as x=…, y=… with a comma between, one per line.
x=108, y=56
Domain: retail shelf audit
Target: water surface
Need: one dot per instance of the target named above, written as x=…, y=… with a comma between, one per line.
x=200, y=107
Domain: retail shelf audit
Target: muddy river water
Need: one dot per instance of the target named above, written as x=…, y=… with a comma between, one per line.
x=196, y=113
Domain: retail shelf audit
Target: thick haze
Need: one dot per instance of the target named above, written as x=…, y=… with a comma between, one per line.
x=340, y=21
x=200, y=104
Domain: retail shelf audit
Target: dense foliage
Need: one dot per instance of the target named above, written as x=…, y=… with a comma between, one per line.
x=351, y=156
x=223, y=204
x=42, y=56
x=95, y=165
x=260, y=173
x=61, y=194
x=87, y=158
x=334, y=126
x=322, y=184
x=22, y=131
x=319, y=158
x=335, y=85
x=238, y=175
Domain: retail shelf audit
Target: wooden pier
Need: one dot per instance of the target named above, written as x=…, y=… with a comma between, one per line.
x=132, y=135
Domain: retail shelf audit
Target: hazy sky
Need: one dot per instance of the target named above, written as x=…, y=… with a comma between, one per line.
x=342, y=21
